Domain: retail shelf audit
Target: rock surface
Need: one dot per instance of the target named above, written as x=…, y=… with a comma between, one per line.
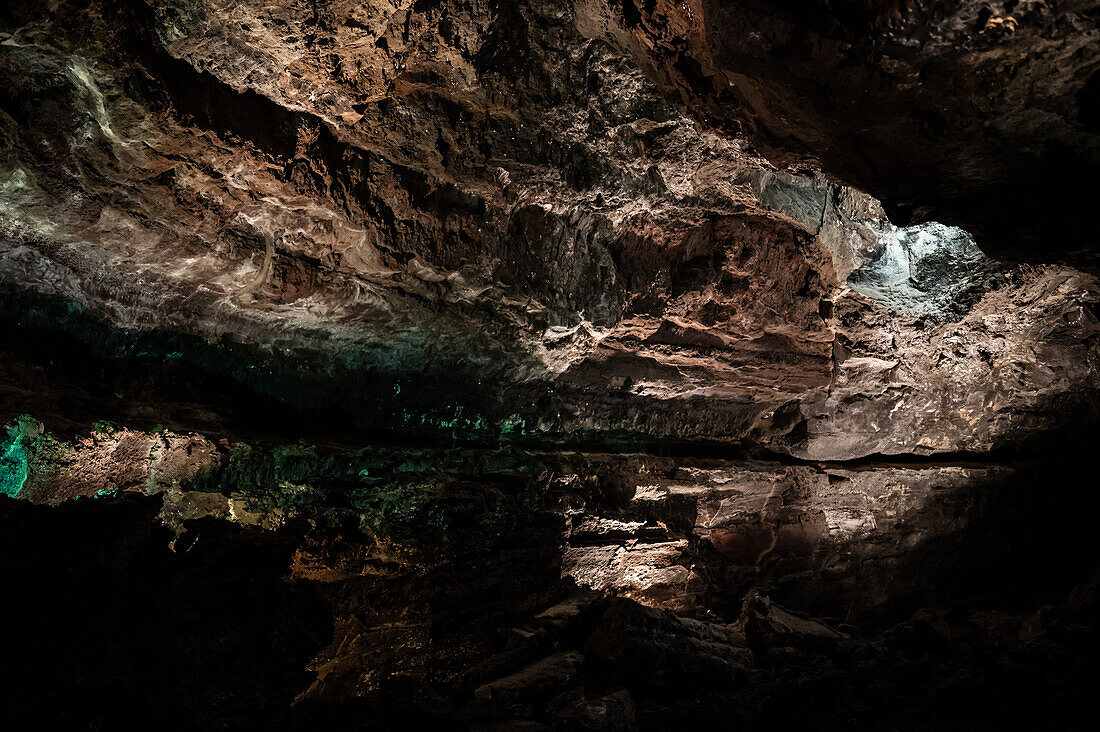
x=216, y=634
x=980, y=115
x=550, y=231
x=534, y=365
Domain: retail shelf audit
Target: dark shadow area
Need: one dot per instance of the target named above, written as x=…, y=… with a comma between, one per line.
x=106, y=627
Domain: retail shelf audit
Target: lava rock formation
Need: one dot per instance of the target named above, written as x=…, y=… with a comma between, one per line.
x=590, y=365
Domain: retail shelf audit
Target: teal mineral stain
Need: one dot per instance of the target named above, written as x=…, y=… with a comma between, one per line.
x=13, y=464
x=106, y=492
x=174, y=355
x=511, y=426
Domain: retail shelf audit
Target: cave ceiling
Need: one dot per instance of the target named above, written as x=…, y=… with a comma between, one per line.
x=601, y=364
x=491, y=214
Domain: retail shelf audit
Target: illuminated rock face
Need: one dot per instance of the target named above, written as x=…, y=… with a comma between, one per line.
x=930, y=269
x=979, y=115
x=494, y=231
x=476, y=351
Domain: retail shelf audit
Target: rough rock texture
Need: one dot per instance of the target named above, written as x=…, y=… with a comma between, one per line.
x=534, y=365
x=402, y=586
x=549, y=230
x=981, y=115
x=220, y=633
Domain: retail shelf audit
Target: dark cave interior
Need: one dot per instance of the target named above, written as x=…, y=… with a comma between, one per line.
x=543, y=365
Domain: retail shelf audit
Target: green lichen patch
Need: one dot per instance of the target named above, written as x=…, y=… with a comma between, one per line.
x=13, y=465
x=378, y=490
x=23, y=440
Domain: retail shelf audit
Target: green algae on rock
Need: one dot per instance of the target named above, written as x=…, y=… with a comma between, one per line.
x=13, y=463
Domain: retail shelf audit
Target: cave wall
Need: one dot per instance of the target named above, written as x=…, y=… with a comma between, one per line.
x=563, y=237
x=979, y=115
x=594, y=365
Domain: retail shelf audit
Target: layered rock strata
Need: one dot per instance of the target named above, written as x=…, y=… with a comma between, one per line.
x=493, y=365
x=562, y=240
